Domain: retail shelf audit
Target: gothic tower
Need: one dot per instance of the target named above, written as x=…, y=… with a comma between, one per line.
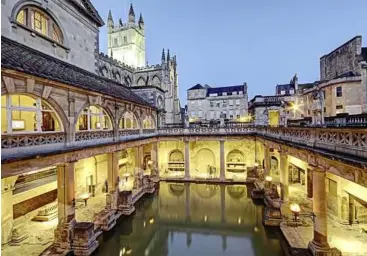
x=126, y=41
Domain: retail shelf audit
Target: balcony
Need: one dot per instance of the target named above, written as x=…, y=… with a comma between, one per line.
x=346, y=141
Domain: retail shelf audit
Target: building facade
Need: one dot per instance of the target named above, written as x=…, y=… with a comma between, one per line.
x=205, y=103
x=125, y=63
x=342, y=86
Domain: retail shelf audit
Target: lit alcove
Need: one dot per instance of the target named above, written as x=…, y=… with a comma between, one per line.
x=93, y=118
x=236, y=165
x=176, y=161
x=204, y=164
x=25, y=114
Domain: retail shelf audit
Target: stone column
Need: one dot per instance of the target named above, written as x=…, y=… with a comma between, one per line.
x=113, y=180
x=7, y=187
x=187, y=159
x=284, y=175
x=66, y=206
x=113, y=171
x=222, y=175
x=319, y=242
x=364, y=87
x=154, y=158
x=141, y=158
x=266, y=160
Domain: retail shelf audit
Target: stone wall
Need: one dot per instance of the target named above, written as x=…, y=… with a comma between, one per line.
x=80, y=35
x=343, y=59
x=34, y=203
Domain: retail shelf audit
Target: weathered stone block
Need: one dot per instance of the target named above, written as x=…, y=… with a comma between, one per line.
x=84, y=242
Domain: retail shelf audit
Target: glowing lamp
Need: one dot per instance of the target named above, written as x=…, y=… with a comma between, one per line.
x=150, y=162
x=151, y=221
x=295, y=208
x=268, y=178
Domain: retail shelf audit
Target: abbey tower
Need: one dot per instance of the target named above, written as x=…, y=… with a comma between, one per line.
x=126, y=41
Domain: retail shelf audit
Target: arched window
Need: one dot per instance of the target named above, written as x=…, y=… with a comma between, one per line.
x=24, y=114
x=148, y=122
x=128, y=121
x=37, y=20
x=93, y=118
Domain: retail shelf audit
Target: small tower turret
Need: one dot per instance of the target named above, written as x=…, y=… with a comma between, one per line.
x=121, y=24
x=131, y=14
x=110, y=23
x=141, y=21
x=168, y=56
x=163, y=56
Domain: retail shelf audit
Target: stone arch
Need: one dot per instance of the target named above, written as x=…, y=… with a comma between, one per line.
x=209, y=157
x=23, y=3
x=127, y=81
x=134, y=116
x=141, y=81
x=87, y=105
x=235, y=155
x=104, y=71
x=236, y=192
x=156, y=81
x=116, y=76
x=149, y=117
x=176, y=155
x=177, y=189
x=60, y=114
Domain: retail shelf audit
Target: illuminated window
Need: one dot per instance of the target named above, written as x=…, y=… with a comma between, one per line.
x=40, y=22
x=148, y=122
x=24, y=114
x=128, y=121
x=93, y=118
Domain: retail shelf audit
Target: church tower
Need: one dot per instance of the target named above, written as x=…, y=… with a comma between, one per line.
x=126, y=41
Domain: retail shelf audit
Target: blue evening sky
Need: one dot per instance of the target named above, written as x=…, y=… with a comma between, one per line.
x=228, y=42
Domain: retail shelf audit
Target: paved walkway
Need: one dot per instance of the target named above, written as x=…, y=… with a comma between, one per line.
x=347, y=238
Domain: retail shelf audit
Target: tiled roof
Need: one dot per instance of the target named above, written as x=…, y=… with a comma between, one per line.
x=364, y=53
x=227, y=89
x=197, y=87
x=19, y=57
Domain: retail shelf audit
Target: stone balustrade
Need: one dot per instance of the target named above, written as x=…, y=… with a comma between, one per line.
x=351, y=141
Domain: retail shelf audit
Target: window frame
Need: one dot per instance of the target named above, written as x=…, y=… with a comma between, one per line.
x=29, y=12
x=339, y=94
x=37, y=110
x=89, y=115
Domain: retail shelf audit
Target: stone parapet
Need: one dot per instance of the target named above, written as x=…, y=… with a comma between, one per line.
x=84, y=238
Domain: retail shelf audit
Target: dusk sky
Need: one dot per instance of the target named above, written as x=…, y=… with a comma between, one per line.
x=228, y=42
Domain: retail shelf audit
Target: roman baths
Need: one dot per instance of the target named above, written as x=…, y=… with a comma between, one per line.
x=90, y=173
x=100, y=157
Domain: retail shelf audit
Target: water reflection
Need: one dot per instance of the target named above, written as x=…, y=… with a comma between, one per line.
x=193, y=219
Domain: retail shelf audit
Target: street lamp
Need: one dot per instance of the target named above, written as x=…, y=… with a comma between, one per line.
x=296, y=210
x=268, y=180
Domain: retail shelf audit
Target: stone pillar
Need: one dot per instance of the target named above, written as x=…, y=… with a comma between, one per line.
x=113, y=180
x=141, y=158
x=113, y=171
x=187, y=159
x=364, y=87
x=222, y=176
x=266, y=160
x=66, y=206
x=7, y=187
x=154, y=158
x=319, y=242
x=284, y=175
